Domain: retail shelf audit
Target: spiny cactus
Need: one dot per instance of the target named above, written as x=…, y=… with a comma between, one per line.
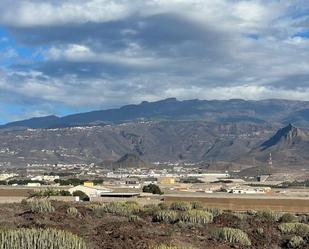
x=214, y=211
x=73, y=211
x=168, y=216
x=180, y=206
x=268, y=215
x=232, y=235
x=196, y=216
x=294, y=228
x=41, y=206
x=296, y=242
x=119, y=208
x=39, y=239
x=197, y=205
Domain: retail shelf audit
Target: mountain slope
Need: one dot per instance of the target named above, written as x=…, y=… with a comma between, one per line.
x=153, y=141
x=220, y=111
x=289, y=146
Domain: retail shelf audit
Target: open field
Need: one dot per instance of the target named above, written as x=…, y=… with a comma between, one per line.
x=247, y=202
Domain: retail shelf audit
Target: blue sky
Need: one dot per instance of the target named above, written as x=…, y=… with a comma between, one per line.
x=65, y=56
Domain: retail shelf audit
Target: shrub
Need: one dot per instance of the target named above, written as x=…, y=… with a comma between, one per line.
x=165, y=247
x=151, y=208
x=41, y=206
x=168, y=216
x=268, y=215
x=240, y=216
x=134, y=218
x=288, y=217
x=294, y=228
x=97, y=209
x=164, y=206
x=196, y=216
x=232, y=235
x=180, y=206
x=40, y=239
x=152, y=188
x=197, y=205
x=295, y=242
x=260, y=230
x=214, y=211
x=73, y=211
x=122, y=209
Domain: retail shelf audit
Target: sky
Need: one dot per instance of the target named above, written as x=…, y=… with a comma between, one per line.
x=66, y=56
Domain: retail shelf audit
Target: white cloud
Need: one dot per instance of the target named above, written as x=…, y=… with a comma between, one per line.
x=103, y=53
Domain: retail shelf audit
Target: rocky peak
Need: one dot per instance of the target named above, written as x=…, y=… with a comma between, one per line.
x=286, y=135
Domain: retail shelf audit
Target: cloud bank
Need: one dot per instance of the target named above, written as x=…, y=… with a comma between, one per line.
x=61, y=56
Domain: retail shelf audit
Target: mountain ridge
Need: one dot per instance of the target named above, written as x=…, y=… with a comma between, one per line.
x=266, y=111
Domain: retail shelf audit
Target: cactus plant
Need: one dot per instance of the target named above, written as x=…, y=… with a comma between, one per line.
x=39, y=239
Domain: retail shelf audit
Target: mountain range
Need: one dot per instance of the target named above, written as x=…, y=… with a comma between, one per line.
x=231, y=134
x=272, y=111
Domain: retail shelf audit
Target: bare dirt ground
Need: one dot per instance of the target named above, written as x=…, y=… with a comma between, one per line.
x=115, y=232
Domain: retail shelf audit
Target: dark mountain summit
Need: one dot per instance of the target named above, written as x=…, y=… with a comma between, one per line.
x=288, y=135
x=219, y=111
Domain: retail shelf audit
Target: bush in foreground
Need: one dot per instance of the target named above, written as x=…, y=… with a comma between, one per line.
x=168, y=216
x=39, y=239
x=180, y=206
x=73, y=211
x=232, y=235
x=295, y=228
x=295, y=242
x=41, y=206
x=196, y=216
x=288, y=217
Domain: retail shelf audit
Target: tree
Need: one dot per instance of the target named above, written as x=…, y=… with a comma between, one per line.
x=152, y=188
x=82, y=195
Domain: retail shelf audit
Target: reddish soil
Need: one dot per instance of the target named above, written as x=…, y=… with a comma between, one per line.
x=116, y=232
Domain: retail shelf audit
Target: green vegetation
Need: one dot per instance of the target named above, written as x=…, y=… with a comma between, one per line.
x=268, y=215
x=295, y=228
x=39, y=239
x=167, y=216
x=260, y=230
x=71, y=181
x=152, y=188
x=232, y=235
x=197, y=205
x=73, y=211
x=163, y=246
x=196, y=216
x=240, y=216
x=214, y=211
x=41, y=206
x=190, y=180
x=180, y=206
x=288, y=217
x=134, y=218
x=295, y=242
x=125, y=209
x=51, y=192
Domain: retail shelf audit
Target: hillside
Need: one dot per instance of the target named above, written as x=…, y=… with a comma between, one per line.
x=273, y=111
x=153, y=141
x=289, y=147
